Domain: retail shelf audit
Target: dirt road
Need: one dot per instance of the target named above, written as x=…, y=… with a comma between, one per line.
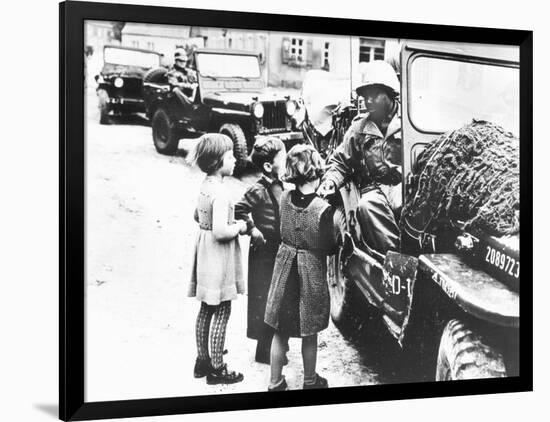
x=139, y=235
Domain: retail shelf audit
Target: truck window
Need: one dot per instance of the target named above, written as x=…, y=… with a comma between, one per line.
x=446, y=94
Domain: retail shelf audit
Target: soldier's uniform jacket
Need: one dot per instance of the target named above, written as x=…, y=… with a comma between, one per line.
x=366, y=156
x=183, y=78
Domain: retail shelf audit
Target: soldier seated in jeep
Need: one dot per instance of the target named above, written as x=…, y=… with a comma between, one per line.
x=449, y=292
x=182, y=78
x=225, y=93
x=371, y=155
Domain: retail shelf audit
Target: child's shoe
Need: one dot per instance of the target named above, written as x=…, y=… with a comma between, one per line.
x=223, y=376
x=320, y=382
x=282, y=386
x=202, y=368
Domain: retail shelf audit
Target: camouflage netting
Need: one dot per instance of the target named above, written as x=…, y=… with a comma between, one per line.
x=471, y=175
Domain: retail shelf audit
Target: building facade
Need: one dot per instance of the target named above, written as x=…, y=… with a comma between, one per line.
x=161, y=38
x=284, y=57
x=97, y=34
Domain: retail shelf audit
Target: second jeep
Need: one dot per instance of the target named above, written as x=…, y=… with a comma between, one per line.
x=230, y=98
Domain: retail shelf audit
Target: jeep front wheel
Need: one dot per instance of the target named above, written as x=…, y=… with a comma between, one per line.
x=464, y=355
x=240, y=150
x=102, y=98
x=164, y=135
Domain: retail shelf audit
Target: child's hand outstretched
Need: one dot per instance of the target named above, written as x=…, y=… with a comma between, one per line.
x=257, y=238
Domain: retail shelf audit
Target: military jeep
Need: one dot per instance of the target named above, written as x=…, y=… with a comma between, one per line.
x=450, y=299
x=230, y=98
x=120, y=81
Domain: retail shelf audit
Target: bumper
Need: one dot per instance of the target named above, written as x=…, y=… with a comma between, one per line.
x=118, y=104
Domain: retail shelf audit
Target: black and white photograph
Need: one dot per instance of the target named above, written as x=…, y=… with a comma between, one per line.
x=275, y=211
x=269, y=211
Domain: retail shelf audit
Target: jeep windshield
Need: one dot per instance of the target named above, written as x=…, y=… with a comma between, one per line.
x=120, y=56
x=218, y=65
x=446, y=94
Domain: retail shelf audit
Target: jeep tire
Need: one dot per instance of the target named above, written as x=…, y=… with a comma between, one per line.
x=240, y=151
x=102, y=97
x=464, y=355
x=165, y=137
x=344, y=309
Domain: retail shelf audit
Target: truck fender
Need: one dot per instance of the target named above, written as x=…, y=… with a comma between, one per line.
x=104, y=86
x=475, y=291
x=446, y=284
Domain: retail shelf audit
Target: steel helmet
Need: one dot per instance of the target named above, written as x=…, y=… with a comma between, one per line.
x=378, y=72
x=179, y=53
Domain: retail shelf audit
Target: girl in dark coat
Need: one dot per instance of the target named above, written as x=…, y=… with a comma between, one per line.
x=298, y=302
x=259, y=207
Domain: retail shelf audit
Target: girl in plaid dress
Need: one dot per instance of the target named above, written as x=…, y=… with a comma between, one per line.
x=298, y=302
x=217, y=275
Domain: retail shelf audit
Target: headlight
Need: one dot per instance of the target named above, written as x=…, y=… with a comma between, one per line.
x=258, y=110
x=291, y=107
x=119, y=82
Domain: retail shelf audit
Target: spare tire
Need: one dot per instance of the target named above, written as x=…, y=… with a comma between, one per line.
x=156, y=75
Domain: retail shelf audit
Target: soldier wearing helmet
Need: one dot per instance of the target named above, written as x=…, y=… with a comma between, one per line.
x=370, y=155
x=181, y=77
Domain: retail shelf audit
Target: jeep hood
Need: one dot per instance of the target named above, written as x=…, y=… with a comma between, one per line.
x=240, y=98
x=127, y=71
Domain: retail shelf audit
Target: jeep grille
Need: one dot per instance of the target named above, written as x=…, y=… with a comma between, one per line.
x=131, y=86
x=274, y=115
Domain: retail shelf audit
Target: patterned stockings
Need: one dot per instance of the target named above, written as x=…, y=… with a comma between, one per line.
x=221, y=314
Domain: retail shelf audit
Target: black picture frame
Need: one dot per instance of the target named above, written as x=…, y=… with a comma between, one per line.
x=72, y=184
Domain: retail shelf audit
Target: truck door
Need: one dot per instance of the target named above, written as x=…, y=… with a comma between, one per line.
x=443, y=87
x=446, y=85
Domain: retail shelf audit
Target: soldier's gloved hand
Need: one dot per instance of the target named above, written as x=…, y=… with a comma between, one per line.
x=327, y=188
x=257, y=238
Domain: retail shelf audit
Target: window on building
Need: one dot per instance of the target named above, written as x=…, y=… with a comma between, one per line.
x=326, y=51
x=297, y=52
x=150, y=45
x=371, y=49
x=135, y=43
